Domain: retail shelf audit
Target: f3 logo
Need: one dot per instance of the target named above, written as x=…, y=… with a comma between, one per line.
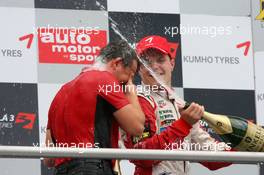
x=28, y=120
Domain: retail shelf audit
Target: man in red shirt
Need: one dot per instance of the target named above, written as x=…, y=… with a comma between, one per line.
x=87, y=111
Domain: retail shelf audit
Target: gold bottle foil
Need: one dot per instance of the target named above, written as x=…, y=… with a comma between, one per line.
x=220, y=123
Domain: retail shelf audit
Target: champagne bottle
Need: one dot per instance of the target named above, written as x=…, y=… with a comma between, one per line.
x=243, y=135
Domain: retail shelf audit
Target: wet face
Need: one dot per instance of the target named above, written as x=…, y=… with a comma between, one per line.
x=123, y=73
x=160, y=63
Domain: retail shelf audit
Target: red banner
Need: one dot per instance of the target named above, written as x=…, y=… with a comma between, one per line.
x=66, y=46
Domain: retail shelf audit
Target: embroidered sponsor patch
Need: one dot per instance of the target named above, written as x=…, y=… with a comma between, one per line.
x=146, y=134
x=161, y=103
x=165, y=123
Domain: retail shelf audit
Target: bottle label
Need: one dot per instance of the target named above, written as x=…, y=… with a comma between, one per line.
x=253, y=140
x=220, y=123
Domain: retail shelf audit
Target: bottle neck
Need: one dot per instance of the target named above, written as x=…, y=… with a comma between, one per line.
x=219, y=123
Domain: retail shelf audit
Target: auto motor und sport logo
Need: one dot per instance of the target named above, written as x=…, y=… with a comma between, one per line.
x=22, y=119
x=66, y=46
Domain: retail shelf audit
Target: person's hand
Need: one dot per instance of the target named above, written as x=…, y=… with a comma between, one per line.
x=49, y=162
x=129, y=88
x=193, y=113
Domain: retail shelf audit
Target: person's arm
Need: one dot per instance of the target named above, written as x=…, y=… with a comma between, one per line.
x=204, y=141
x=167, y=139
x=131, y=94
x=215, y=165
x=131, y=117
x=49, y=162
x=127, y=110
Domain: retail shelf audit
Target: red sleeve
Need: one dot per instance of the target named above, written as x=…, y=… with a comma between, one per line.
x=150, y=140
x=48, y=124
x=52, y=115
x=216, y=165
x=53, y=106
x=110, y=89
x=51, y=112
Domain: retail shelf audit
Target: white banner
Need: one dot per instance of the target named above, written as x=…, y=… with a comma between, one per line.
x=217, y=52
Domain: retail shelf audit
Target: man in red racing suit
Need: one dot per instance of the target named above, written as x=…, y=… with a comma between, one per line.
x=164, y=126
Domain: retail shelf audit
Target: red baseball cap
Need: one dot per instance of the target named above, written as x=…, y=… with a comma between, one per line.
x=159, y=43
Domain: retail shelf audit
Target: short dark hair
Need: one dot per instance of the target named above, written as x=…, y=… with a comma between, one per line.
x=119, y=49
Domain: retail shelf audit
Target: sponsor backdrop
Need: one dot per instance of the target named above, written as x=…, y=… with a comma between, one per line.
x=45, y=43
